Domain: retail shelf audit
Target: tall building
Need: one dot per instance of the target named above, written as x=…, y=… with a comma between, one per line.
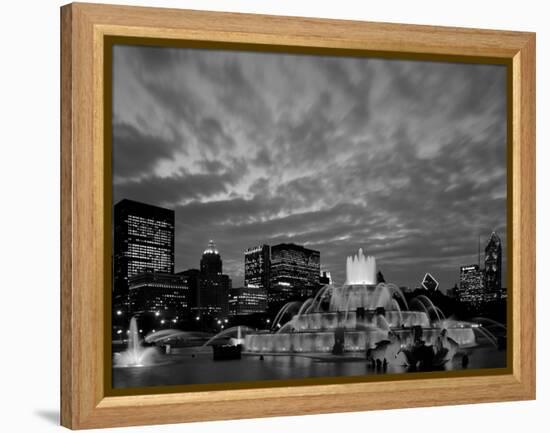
x=429, y=283
x=294, y=273
x=211, y=261
x=143, y=242
x=214, y=286
x=247, y=300
x=160, y=293
x=470, y=290
x=493, y=267
x=257, y=264
x=213, y=294
x=193, y=277
x=325, y=278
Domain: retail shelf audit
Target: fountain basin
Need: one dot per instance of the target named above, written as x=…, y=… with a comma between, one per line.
x=354, y=340
x=352, y=320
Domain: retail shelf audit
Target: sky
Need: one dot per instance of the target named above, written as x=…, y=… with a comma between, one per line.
x=405, y=159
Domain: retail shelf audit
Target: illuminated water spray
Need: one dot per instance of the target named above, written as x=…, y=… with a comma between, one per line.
x=360, y=269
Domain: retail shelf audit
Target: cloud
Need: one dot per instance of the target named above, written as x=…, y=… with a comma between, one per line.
x=136, y=152
x=406, y=159
x=216, y=178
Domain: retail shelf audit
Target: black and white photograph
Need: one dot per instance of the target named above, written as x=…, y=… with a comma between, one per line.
x=284, y=216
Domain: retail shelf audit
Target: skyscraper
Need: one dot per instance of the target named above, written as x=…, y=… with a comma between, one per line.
x=193, y=277
x=470, y=291
x=325, y=278
x=493, y=267
x=247, y=300
x=143, y=242
x=429, y=283
x=160, y=293
x=211, y=261
x=214, y=286
x=257, y=264
x=294, y=275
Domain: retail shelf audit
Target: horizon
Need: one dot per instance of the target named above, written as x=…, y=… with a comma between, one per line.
x=322, y=268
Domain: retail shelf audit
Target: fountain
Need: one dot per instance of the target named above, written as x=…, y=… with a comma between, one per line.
x=360, y=269
x=363, y=316
x=234, y=335
x=135, y=355
x=170, y=335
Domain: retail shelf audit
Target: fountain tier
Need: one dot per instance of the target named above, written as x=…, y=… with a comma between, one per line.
x=360, y=269
x=355, y=317
x=354, y=341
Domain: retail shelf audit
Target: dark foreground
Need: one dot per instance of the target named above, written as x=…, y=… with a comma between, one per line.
x=185, y=367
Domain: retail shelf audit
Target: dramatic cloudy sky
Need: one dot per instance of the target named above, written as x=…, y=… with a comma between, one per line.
x=406, y=159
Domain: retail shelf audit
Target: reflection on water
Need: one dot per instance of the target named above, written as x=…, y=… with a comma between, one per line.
x=185, y=366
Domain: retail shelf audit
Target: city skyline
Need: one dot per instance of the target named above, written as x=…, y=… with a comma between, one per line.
x=405, y=159
x=263, y=249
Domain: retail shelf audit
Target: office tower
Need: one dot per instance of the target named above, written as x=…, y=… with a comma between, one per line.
x=247, y=300
x=159, y=293
x=325, y=278
x=256, y=267
x=211, y=261
x=214, y=294
x=470, y=290
x=294, y=274
x=143, y=241
x=493, y=267
x=193, y=277
x=214, y=286
x=429, y=283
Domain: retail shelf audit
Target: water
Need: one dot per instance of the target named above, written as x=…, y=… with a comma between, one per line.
x=135, y=355
x=181, y=368
x=236, y=336
x=360, y=269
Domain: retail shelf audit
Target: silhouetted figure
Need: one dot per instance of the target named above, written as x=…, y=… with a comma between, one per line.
x=419, y=355
x=338, y=348
x=378, y=364
x=371, y=362
x=192, y=355
x=465, y=361
x=385, y=365
x=261, y=357
x=417, y=333
x=425, y=355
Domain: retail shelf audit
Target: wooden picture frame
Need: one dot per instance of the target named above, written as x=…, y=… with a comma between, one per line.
x=85, y=214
